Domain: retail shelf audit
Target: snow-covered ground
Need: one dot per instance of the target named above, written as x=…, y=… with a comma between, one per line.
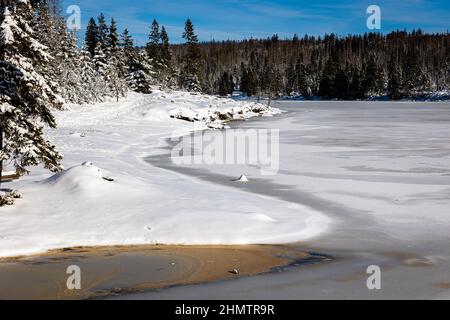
x=143, y=204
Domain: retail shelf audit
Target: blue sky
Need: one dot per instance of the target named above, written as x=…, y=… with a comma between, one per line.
x=234, y=19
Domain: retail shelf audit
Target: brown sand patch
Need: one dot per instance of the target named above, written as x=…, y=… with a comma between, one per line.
x=122, y=269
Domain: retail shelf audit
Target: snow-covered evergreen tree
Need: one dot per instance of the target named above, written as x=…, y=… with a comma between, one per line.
x=129, y=52
x=159, y=54
x=92, y=85
x=91, y=39
x=103, y=31
x=191, y=69
x=154, y=45
x=166, y=54
x=141, y=76
x=137, y=68
x=26, y=98
x=113, y=39
x=115, y=76
x=167, y=74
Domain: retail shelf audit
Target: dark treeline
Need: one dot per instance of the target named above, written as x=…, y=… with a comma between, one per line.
x=398, y=64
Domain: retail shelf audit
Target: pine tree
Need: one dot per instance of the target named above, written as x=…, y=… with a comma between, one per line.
x=302, y=84
x=226, y=84
x=245, y=82
x=25, y=96
x=395, y=83
x=415, y=79
x=137, y=70
x=327, y=80
x=355, y=88
x=140, y=77
x=166, y=54
x=91, y=84
x=65, y=65
x=191, y=68
x=341, y=84
x=103, y=31
x=113, y=44
x=274, y=83
x=373, y=79
x=154, y=45
x=92, y=37
x=127, y=42
x=129, y=52
x=291, y=80
x=63, y=71
x=100, y=60
x=167, y=72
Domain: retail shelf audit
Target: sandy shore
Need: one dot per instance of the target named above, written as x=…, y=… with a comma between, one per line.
x=107, y=271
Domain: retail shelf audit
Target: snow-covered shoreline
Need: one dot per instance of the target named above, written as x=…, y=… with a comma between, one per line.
x=144, y=204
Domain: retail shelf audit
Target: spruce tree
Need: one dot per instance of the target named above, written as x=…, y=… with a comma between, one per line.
x=129, y=53
x=92, y=85
x=395, y=83
x=25, y=96
x=341, y=84
x=140, y=76
x=103, y=31
x=373, y=78
x=167, y=72
x=191, y=68
x=291, y=80
x=355, y=91
x=127, y=42
x=244, y=85
x=415, y=78
x=92, y=37
x=166, y=55
x=113, y=39
x=154, y=45
x=100, y=60
x=226, y=84
x=301, y=80
x=327, y=80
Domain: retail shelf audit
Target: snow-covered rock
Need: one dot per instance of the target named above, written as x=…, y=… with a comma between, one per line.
x=242, y=178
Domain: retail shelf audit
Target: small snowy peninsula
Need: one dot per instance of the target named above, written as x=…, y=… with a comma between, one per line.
x=108, y=194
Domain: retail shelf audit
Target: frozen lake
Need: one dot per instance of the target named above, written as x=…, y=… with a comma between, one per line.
x=379, y=171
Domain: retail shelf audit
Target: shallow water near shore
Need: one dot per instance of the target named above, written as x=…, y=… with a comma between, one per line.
x=122, y=270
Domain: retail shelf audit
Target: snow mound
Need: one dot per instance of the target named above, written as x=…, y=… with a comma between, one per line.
x=85, y=177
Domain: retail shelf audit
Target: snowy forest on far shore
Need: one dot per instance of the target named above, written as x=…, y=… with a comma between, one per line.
x=397, y=65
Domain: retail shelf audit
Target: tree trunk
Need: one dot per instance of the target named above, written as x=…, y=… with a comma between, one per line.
x=1, y=159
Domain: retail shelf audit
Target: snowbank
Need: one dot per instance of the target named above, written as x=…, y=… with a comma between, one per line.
x=211, y=111
x=142, y=204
